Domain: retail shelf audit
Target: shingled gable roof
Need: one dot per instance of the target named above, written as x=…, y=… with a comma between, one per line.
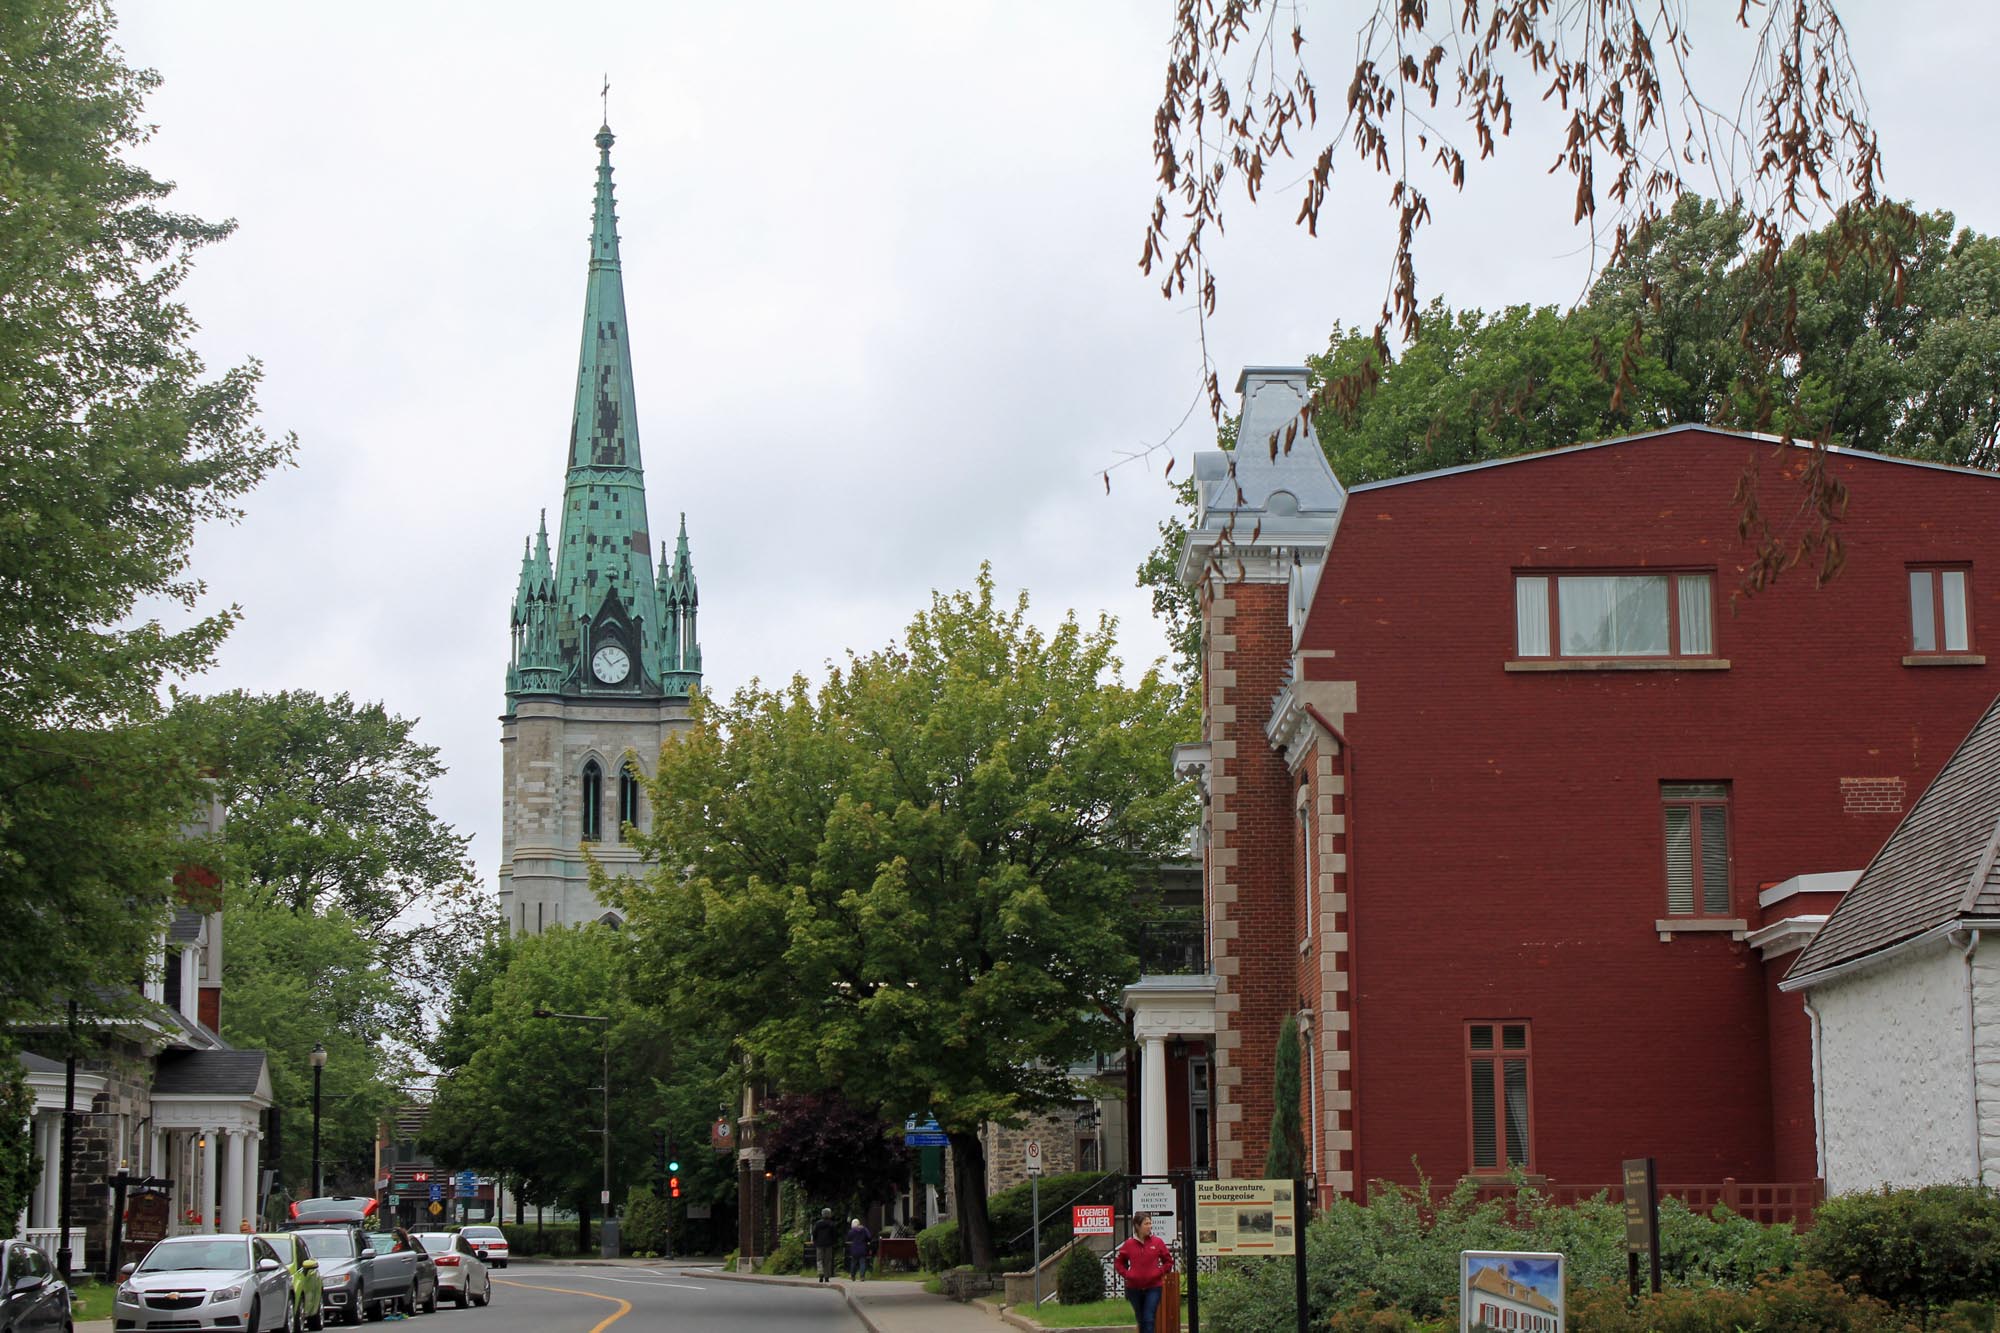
x=1937, y=867
x=234, y=1074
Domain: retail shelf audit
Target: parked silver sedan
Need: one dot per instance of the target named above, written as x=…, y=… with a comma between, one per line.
x=207, y=1283
x=462, y=1274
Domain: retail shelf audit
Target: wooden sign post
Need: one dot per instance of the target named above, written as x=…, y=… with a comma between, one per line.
x=1642, y=1220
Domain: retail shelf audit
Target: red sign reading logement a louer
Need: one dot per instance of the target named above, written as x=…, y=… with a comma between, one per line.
x=1091, y=1219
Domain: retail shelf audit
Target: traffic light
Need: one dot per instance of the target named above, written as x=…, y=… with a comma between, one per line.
x=673, y=1187
x=660, y=1148
x=673, y=1167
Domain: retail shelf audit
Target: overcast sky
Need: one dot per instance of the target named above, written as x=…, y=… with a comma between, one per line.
x=885, y=313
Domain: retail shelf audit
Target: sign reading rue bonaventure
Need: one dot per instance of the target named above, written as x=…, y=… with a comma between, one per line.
x=1245, y=1217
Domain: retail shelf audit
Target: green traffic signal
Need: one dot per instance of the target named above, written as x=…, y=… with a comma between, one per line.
x=673, y=1166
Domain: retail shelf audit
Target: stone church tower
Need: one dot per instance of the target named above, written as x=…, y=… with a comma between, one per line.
x=604, y=652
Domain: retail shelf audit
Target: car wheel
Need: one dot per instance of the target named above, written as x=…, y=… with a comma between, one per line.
x=431, y=1302
x=317, y=1319
x=478, y=1299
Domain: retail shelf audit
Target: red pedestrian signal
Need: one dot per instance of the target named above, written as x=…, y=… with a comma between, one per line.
x=673, y=1187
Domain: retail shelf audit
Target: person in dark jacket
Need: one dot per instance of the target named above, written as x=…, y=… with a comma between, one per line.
x=859, y=1238
x=1144, y=1262
x=825, y=1238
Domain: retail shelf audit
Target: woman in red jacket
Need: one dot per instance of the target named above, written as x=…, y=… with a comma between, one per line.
x=1144, y=1262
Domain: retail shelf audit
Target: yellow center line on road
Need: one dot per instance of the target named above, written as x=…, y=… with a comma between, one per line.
x=624, y=1306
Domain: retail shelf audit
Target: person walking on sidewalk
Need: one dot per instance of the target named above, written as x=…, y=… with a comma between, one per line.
x=859, y=1238
x=826, y=1238
x=1144, y=1262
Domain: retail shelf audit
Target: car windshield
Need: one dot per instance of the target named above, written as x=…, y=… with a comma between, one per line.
x=328, y=1244
x=282, y=1243
x=180, y=1256
x=434, y=1242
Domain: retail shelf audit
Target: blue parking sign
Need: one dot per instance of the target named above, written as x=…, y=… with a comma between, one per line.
x=437, y=1193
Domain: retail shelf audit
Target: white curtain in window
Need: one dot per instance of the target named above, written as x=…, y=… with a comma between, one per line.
x=1697, y=623
x=1613, y=616
x=1955, y=640
x=1531, y=617
x=1923, y=624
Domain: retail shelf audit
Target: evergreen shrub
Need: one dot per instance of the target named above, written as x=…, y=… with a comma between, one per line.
x=1080, y=1276
x=1920, y=1250
x=937, y=1247
x=647, y=1218
x=788, y=1257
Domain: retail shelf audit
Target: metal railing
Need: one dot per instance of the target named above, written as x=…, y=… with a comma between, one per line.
x=49, y=1239
x=1174, y=948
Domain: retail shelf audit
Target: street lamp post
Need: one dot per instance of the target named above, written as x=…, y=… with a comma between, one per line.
x=609, y=1243
x=319, y=1064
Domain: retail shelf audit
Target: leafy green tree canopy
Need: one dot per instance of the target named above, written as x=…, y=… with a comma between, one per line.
x=913, y=881
x=114, y=445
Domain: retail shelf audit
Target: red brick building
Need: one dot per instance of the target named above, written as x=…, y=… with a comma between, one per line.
x=1523, y=811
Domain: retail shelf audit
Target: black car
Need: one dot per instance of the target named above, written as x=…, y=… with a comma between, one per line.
x=33, y=1298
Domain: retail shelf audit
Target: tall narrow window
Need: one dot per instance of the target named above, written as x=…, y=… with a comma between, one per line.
x=1697, y=835
x=1308, y=900
x=1499, y=1090
x=628, y=802
x=593, y=800
x=1939, y=615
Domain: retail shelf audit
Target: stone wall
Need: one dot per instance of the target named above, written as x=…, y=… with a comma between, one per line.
x=1006, y=1149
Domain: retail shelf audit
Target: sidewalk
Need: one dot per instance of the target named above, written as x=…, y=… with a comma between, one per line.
x=893, y=1307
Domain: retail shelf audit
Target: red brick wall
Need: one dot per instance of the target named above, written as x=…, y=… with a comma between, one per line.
x=1794, y=1127
x=1261, y=925
x=1511, y=821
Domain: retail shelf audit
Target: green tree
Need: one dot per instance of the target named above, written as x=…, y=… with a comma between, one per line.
x=17, y=1154
x=1895, y=349
x=330, y=812
x=1286, y=1157
x=299, y=978
x=921, y=871
x=527, y=1101
x=115, y=444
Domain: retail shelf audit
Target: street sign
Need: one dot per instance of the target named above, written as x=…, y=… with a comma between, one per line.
x=436, y=1208
x=1031, y=1154
x=467, y=1182
x=720, y=1136
x=927, y=1134
x=1090, y=1219
x=1158, y=1201
x=395, y=1200
x=437, y=1192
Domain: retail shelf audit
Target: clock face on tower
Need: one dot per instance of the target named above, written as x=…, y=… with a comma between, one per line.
x=610, y=664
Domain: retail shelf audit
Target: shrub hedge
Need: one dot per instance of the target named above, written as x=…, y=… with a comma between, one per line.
x=1010, y=1215
x=1080, y=1277
x=1920, y=1250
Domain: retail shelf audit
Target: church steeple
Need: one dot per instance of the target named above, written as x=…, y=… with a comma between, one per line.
x=680, y=648
x=603, y=583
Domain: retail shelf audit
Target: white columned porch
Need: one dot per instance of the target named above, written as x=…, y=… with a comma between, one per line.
x=232, y=1181
x=48, y=1190
x=210, y=1172
x=1164, y=1008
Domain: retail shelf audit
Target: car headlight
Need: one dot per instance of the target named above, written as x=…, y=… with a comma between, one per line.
x=127, y=1294
x=337, y=1280
x=222, y=1294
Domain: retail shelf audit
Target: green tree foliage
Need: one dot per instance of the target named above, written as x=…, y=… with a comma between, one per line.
x=115, y=444
x=301, y=977
x=839, y=1153
x=526, y=1101
x=18, y=1171
x=1286, y=1158
x=1893, y=347
x=646, y=1226
x=330, y=812
x=918, y=873
x=1080, y=1277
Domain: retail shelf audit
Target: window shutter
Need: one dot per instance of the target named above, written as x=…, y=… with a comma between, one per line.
x=1680, y=861
x=1715, y=860
x=1485, y=1150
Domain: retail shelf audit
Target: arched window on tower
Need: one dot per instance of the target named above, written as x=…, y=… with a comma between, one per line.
x=628, y=801
x=593, y=801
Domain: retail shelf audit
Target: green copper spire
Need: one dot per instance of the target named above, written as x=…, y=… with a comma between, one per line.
x=604, y=561
x=680, y=648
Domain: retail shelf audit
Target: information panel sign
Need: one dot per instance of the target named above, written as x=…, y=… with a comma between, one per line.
x=1508, y=1292
x=1245, y=1217
x=1157, y=1200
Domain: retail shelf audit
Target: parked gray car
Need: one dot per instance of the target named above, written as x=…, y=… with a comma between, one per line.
x=33, y=1296
x=206, y=1282
x=350, y=1286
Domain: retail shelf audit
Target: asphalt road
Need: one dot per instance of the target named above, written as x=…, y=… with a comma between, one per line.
x=558, y=1298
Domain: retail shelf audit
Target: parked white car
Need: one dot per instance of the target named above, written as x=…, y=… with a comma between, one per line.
x=490, y=1241
x=462, y=1275
x=205, y=1283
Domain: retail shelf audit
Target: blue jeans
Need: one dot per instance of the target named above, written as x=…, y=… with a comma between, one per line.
x=1145, y=1304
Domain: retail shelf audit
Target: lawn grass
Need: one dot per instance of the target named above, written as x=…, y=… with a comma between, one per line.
x=90, y=1299
x=1114, y=1313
